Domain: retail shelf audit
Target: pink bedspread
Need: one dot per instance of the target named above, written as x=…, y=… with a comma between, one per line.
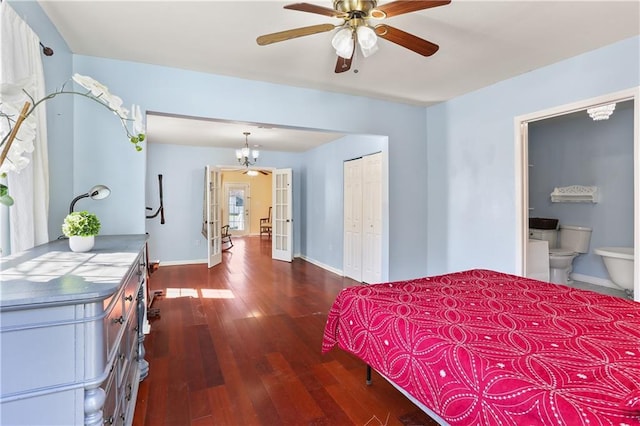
x=486, y=348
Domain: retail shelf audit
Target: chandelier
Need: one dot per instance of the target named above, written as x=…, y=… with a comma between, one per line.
x=245, y=153
x=602, y=112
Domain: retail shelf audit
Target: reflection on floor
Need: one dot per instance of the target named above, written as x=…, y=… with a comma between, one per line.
x=599, y=289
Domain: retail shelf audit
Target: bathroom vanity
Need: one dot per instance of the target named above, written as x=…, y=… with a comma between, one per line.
x=71, y=340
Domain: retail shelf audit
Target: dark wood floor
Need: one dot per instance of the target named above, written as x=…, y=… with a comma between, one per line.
x=239, y=344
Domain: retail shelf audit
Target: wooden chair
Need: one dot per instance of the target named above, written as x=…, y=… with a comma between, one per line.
x=226, y=238
x=265, y=225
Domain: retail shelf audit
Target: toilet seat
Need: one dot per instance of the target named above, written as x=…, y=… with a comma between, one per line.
x=561, y=252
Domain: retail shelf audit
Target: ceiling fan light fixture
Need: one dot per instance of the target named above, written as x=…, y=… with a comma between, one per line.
x=366, y=52
x=252, y=173
x=343, y=43
x=367, y=37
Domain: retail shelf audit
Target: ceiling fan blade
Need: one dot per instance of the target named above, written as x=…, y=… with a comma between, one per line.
x=263, y=172
x=343, y=64
x=404, y=39
x=396, y=8
x=320, y=10
x=297, y=32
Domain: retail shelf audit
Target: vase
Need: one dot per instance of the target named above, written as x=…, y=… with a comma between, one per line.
x=81, y=244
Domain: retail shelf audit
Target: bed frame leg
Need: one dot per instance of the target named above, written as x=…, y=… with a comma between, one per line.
x=368, y=375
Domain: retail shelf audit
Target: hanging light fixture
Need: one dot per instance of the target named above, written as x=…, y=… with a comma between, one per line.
x=602, y=112
x=243, y=155
x=365, y=36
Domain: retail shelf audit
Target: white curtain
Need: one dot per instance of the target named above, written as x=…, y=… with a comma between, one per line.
x=20, y=59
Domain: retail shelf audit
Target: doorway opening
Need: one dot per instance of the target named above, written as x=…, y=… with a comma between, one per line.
x=522, y=171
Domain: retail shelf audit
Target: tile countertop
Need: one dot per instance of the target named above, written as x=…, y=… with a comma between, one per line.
x=54, y=275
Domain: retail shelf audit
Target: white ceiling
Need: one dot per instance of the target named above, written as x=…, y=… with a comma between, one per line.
x=481, y=43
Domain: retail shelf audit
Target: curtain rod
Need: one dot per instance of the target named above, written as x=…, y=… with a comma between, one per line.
x=45, y=49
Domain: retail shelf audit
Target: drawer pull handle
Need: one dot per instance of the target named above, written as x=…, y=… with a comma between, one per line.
x=119, y=320
x=129, y=298
x=109, y=421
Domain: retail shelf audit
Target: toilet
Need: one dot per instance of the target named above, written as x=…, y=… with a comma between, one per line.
x=564, y=246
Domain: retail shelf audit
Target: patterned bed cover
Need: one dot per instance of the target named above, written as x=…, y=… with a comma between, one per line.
x=481, y=347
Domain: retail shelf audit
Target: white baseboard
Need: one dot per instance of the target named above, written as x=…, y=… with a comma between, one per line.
x=198, y=261
x=182, y=262
x=322, y=265
x=594, y=280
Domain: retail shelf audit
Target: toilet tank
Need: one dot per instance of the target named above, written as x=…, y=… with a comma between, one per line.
x=549, y=235
x=574, y=238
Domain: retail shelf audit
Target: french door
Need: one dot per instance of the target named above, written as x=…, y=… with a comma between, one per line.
x=282, y=220
x=237, y=207
x=211, y=215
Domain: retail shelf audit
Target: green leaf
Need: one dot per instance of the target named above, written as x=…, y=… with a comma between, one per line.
x=6, y=200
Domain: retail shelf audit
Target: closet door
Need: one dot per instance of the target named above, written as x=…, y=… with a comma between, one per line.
x=372, y=218
x=352, y=263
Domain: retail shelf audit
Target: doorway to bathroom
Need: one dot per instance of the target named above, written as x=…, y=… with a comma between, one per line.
x=554, y=151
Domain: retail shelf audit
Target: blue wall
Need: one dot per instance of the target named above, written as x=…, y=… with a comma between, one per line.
x=471, y=164
x=575, y=150
x=322, y=198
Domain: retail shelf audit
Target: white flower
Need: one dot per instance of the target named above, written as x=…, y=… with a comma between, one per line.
x=101, y=92
x=96, y=88
x=138, y=120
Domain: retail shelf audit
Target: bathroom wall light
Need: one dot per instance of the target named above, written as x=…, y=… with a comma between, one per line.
x=602, y=112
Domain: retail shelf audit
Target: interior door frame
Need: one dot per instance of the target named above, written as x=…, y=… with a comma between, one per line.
x=522, y=171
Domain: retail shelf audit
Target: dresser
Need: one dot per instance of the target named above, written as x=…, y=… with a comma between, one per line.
x=71, y=340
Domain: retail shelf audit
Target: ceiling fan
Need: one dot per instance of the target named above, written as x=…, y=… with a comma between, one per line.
x=356, y=29
x=256, y=171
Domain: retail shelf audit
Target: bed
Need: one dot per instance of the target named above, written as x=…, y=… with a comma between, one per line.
x=481, y=347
